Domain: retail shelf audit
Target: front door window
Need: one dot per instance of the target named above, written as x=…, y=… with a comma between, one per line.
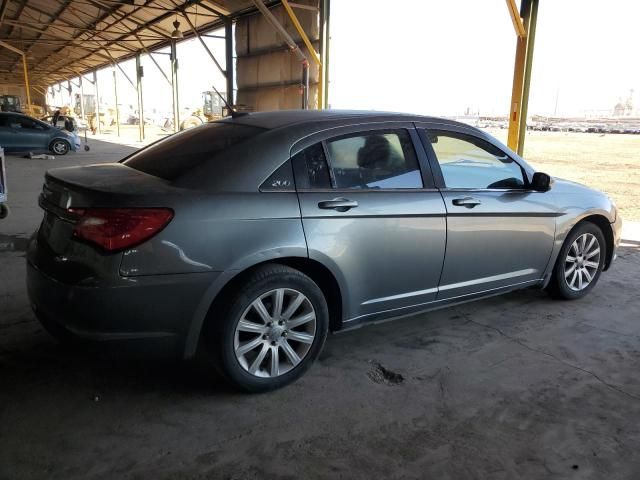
x=470, y=163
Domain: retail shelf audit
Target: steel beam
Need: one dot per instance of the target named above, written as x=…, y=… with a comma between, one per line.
x=59, y=11
x=3, y=9
x=521, y=74
x=82, y=115
x=17, y=15
x=228, y=44
x=139, y=75
x=325, y=7
x=531, y=39
x=292, y=45
x=25, y=70
x=117, y=64
x=516, y=94
x=312, y=51
x=97, y=112
x=115, y=93
x=144, y=49
x=195, y=32
x=518, y=24
x=174, y=86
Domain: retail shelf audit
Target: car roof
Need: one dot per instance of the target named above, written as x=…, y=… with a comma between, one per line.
x=17, y=114
x=287, y=118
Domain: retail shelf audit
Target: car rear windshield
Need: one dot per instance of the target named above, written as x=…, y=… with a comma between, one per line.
x=177, y=154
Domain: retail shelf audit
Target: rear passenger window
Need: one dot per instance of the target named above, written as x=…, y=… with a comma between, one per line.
x=310, y=166
x=376, y=160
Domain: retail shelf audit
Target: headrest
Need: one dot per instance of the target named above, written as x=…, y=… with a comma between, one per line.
x=375, y=151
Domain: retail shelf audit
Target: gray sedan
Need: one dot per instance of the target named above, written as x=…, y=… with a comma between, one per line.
x=254, y=236
x=21, y=133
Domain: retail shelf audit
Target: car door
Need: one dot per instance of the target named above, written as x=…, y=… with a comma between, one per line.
x=372, y=214
x=7, y=139
x=500, y=232
x=29, y=134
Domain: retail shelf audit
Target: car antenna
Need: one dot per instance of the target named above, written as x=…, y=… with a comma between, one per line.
x=233, y=111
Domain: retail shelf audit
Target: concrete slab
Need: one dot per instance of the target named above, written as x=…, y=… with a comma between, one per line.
x=518, y=386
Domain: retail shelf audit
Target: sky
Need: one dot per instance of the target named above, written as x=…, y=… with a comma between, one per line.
x=440, y=58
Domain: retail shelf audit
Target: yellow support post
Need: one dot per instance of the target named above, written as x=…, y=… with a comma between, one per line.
x=26, y=84
x=515, y=109
x=26, y=73
x=307, y=42
x=513, y=137
x=515, y=18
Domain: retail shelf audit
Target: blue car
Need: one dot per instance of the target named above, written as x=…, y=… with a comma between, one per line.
x=21, y=133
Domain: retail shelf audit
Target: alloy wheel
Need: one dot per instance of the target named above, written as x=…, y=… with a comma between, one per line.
x=275, y=333
x=582, y=262
x=60, y=148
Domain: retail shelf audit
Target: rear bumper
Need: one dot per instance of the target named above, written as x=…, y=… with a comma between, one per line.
x=151, y=313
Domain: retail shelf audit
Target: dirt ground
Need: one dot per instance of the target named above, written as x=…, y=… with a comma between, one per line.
x=513, y=387
x=608, y=162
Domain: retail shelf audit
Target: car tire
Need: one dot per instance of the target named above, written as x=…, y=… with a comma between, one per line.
x=59, y=147
x=271, y=363
x=191, y=122
x=579, y=263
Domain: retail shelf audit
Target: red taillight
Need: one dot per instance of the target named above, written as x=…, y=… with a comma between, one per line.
x=119, y=228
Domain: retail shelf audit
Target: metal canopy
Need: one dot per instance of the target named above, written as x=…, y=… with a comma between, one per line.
x=64, y=38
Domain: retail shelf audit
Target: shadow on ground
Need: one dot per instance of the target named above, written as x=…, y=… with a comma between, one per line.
x=518, y=386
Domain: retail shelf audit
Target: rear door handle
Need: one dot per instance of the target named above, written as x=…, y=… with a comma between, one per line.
x=339, y=204
x=468, y=202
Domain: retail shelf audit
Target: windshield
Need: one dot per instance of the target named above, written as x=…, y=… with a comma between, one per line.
x=177, y=154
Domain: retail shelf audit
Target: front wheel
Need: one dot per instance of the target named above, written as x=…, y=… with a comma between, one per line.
x=579, y=263
x=271, y=331
x=59, y=147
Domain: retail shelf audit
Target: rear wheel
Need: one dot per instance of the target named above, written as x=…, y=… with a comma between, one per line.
x=579, y=263
x=271, y=331
x=59, y=147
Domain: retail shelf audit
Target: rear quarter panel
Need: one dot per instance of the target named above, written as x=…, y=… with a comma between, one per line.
x=220, y=232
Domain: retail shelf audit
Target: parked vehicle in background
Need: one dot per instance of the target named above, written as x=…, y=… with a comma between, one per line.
x=212, y=109
x=254, y=236
x=21, y=133
x=10, y=103
x=63, y=122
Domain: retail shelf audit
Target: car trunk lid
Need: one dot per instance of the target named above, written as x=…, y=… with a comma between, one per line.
x=68, y=191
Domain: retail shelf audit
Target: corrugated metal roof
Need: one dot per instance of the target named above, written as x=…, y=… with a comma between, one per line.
x=63, y=38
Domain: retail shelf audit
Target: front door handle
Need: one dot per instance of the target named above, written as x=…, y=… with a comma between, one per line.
x=468, y=202
x=339, y=204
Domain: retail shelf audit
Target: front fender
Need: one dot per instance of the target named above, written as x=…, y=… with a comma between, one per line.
x=567, y=222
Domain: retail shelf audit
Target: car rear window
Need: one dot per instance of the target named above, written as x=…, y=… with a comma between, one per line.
x=177, y=154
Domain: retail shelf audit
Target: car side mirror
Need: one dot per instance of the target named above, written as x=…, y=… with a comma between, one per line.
x=541, y=182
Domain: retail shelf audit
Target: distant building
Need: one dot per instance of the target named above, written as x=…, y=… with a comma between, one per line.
x=624, y=108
